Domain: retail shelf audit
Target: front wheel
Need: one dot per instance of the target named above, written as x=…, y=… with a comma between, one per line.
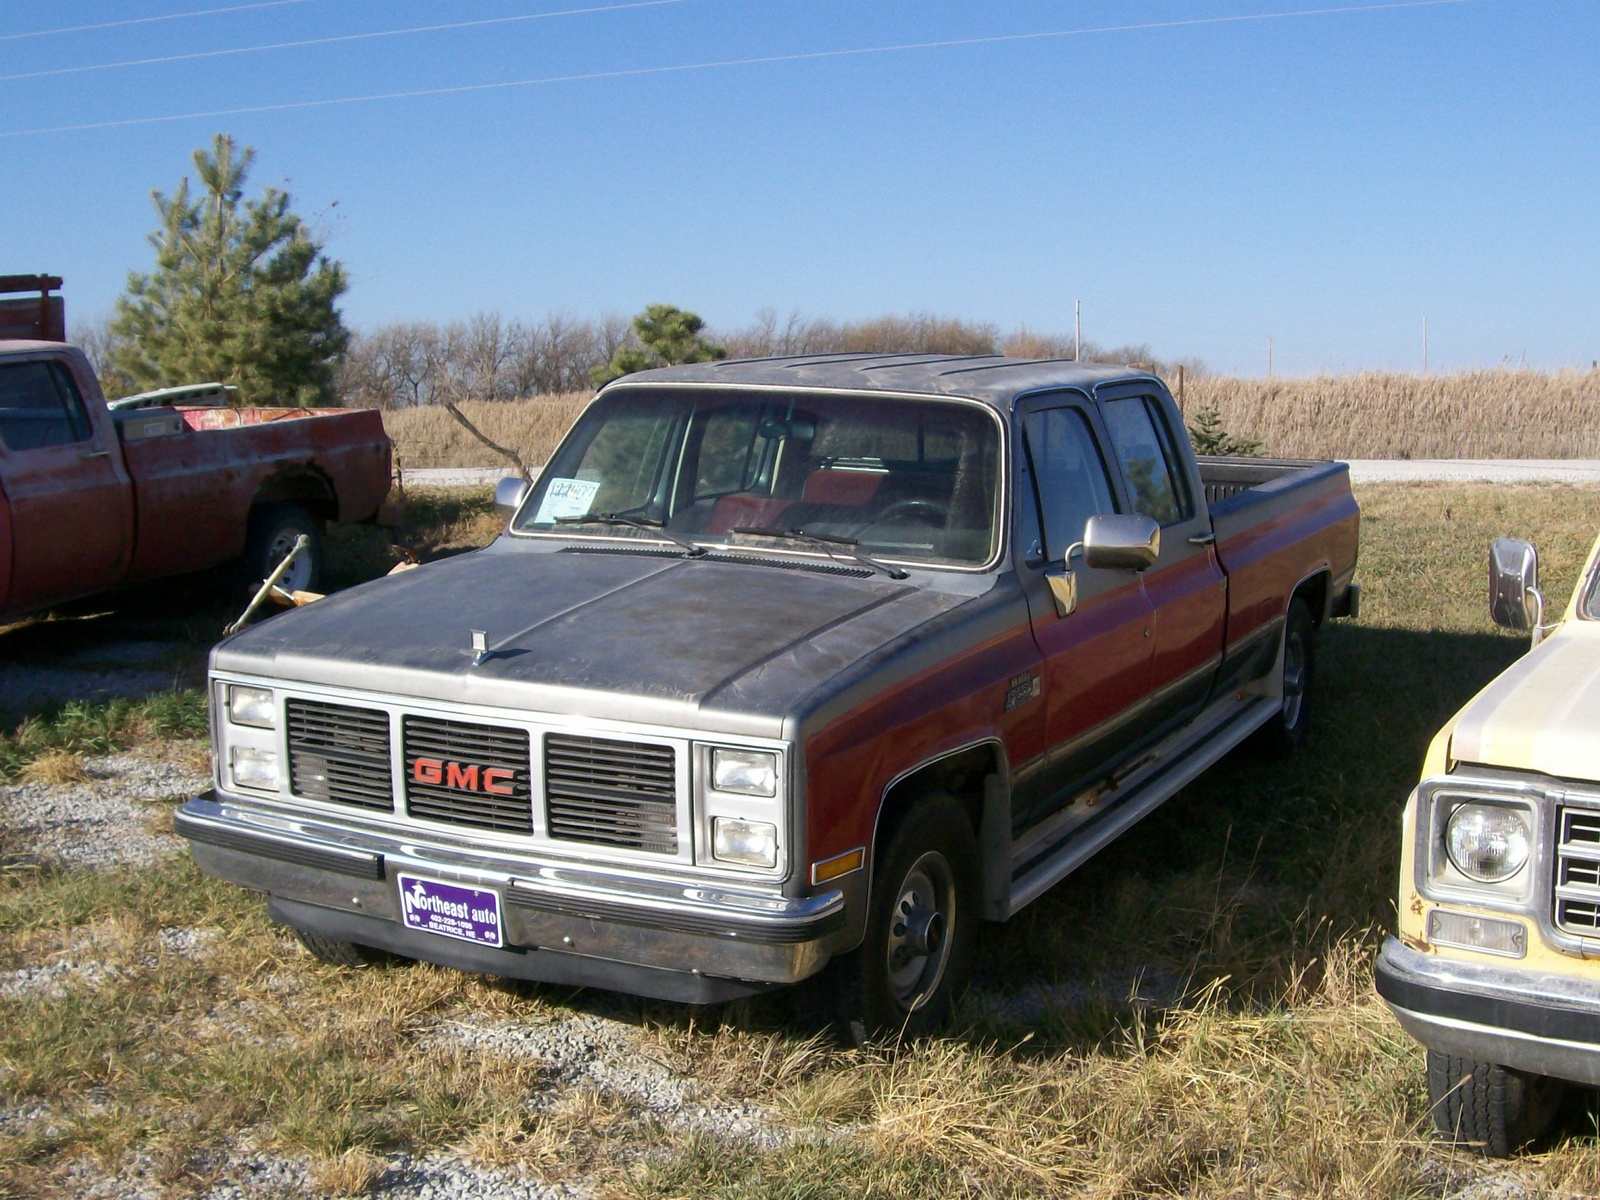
x=340, y=953
x=1486, y=1105
x=921, y=924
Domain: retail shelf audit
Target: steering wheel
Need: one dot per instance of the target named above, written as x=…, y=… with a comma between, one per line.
x=912, y=508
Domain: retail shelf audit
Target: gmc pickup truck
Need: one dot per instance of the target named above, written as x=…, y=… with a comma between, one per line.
x=1496, y=966
x=779, y=664
x=91, y=499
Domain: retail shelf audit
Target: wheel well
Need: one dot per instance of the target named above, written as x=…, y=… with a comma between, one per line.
x=309, y=489
x=960, y=775
x=1314, y=591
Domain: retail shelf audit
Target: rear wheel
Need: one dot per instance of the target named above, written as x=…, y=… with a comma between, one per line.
x=340, y=953
x=1488, y=1106
x=921, y=925
x=274, y=530
x=1288, y=730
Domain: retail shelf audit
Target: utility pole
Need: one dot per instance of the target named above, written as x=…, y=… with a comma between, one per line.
x=1424, y=345
x=1077, y=331
x=1269, y=356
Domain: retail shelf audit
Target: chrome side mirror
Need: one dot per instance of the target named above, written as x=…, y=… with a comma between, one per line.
x=1126, y=540
x=510, y=492
x=1515, y=601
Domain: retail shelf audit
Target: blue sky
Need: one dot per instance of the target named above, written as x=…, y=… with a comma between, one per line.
x=1326, y=179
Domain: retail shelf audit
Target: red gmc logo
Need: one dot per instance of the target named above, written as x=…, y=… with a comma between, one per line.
x=494, y=780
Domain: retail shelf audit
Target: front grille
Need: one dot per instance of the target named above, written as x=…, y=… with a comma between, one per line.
x=467, y=774
x=612, y=793
x=339, y=753
x=1577, y=874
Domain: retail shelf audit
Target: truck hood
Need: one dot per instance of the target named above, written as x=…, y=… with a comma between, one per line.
x=1543, y=713
x=634, y=636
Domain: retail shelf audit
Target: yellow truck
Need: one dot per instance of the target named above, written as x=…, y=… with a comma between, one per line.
x=1495, y=967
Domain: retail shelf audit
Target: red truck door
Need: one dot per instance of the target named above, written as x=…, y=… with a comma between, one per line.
x=1187, y=588
x=71, y=518
x=1098, y=658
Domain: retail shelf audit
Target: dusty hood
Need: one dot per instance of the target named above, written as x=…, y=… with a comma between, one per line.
x=1543, y=713
x=634, y=636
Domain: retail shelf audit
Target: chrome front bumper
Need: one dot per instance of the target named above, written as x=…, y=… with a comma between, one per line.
x=675, y=940
x=1531, y=1021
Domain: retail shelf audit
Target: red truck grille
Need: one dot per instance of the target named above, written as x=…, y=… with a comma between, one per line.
x=1577, y=873
x=340, y=754
x=613, y=793
x=467, y=774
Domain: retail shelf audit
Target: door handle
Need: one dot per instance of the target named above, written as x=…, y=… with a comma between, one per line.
x=1202, y=539
x=95, y=454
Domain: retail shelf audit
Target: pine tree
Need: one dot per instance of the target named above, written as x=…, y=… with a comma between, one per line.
x=241, y=294
x=1209, y=437
x=668, y=336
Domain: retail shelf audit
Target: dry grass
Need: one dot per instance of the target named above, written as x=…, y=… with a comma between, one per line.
x=430, y=437
x=1469, y=414
x=56, y=768
x=353, y=1173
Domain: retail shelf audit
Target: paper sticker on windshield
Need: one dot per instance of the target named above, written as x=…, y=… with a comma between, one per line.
x=566, y=498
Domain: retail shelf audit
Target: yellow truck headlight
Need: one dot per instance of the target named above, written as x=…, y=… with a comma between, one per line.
x=1487, y=842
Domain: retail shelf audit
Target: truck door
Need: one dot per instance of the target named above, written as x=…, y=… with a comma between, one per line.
x=1098, y=657
x=70, y=518
x=1187, y=588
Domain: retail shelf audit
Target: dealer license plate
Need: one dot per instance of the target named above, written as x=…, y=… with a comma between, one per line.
x=450, y=910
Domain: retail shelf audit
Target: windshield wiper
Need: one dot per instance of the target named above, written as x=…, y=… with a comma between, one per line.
x=827, y=541
x=648, y=524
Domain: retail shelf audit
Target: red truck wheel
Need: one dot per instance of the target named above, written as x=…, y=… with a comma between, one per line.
x=1488, y=1106
x=274, y=529
x=1287, y=731
x=921, y=924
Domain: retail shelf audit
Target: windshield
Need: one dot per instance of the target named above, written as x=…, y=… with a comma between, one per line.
x=1591, y=600
x=911, y=481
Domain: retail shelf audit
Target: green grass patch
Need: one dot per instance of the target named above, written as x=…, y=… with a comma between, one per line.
x=100, y=727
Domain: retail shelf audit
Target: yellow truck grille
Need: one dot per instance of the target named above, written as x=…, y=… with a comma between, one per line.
x=1577, y=873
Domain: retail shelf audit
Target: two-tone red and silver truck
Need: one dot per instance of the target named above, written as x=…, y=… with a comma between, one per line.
x=91, y=499
x=780, y=666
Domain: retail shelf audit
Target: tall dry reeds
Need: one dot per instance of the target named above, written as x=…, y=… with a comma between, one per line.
x=428, y=437
x=1468, y=414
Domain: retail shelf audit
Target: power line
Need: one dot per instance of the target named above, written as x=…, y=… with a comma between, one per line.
x=203, y=12
x=326, y=41
x=763, y=60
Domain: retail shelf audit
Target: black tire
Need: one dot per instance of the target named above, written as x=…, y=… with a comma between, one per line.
x=338, y=953
x=273, y=531
x=922, y=921
x=1289, y=729
x=1493, y=1108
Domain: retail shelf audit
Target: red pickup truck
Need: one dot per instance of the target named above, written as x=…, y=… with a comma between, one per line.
x=780, y=665
x=90, y=499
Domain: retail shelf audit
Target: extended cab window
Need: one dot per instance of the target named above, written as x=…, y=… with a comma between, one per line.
x=1150, y=461
x=903, y=480
x=39, y=406
x=1071, y=478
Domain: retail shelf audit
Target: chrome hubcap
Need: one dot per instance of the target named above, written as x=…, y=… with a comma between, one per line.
x=919, y=931
x=1294, y=680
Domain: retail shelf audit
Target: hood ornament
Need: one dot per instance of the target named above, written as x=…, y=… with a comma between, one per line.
x=480, y=646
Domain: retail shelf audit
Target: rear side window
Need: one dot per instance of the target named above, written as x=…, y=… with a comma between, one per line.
x=1150, y=461
x=1072, y=480
x=40, y=406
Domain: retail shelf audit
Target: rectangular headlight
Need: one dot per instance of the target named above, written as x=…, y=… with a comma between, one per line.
x=750, y=843
x=744, y=772
x=254, y=768
x=251, y=706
